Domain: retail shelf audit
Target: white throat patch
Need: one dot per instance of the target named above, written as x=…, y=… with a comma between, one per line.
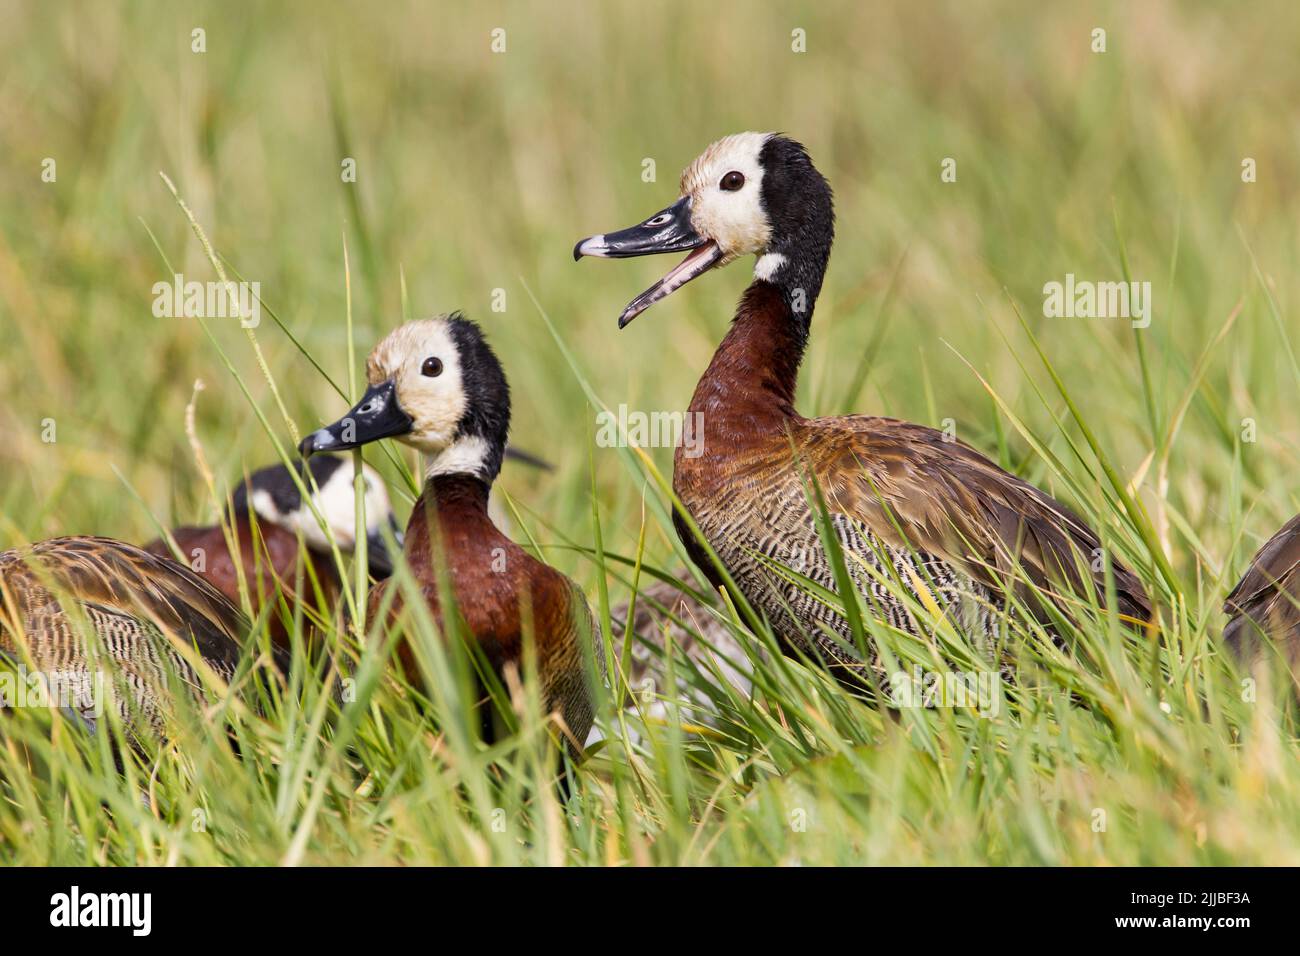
x=767, y=265
x=464, y=456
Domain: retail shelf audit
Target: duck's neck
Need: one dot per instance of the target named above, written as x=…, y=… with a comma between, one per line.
x=461, y=491
x=753, y=375
x=459, y=503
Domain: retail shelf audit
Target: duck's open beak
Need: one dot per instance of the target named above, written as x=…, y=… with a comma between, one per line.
x=376, y=416
x=669, y=230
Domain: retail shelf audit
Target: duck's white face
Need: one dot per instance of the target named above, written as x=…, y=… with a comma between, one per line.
x=416, y=395
x=336, y=501
x=422, y=362
x=274, y=498
x=424, y=377
x=725, y=189
x=719, y=217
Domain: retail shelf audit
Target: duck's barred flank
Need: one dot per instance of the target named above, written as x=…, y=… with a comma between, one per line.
x=102, y=619
x=878, y=571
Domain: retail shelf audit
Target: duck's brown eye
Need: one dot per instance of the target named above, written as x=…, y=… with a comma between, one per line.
x=432, y=367
x=732, y=181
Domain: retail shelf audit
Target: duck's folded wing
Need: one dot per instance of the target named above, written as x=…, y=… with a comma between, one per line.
x=121, y=579
x=913, y=487
x=1267, y=597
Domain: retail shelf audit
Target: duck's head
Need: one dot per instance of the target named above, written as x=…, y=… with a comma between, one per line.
x=436, y=386
x=272, y=494
x=747, y=194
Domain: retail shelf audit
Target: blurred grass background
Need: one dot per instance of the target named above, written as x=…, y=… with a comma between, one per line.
x=477, y=171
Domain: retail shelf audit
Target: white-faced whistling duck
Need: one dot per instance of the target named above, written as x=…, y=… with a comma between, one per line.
x=138, y=605
x=910, y=504
x=436, y=385
x=274, y=566
x=1264, y=607
x=667, y=616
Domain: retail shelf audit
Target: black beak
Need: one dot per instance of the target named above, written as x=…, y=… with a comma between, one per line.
x=669, y=230
x=376, y=416
x=379, y=556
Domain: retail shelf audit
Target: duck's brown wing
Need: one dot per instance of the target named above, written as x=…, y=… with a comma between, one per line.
x=913, y=488
x=571, y=660
x=1266, y=601
x=135, y=602
x=125, y=579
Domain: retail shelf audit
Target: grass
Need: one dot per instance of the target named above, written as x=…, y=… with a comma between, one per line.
x=475, y=174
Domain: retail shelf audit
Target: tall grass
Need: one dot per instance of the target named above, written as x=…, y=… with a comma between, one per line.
x=476, y=171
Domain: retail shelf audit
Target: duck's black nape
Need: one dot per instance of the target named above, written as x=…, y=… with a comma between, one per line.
x=487, y=393
x=801, y=212
x=279, y=484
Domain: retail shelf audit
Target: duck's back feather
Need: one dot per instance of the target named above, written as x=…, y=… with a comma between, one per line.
x=139, y=607
x=1266, y=601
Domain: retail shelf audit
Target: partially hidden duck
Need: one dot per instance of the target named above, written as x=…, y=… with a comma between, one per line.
x=436, y=385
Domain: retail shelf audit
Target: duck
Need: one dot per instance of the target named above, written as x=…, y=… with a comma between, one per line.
x=1264, y=608
x=141, y=608
x=669, y=617
x=436, y=385
x=907, y=503
x=289, y=556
